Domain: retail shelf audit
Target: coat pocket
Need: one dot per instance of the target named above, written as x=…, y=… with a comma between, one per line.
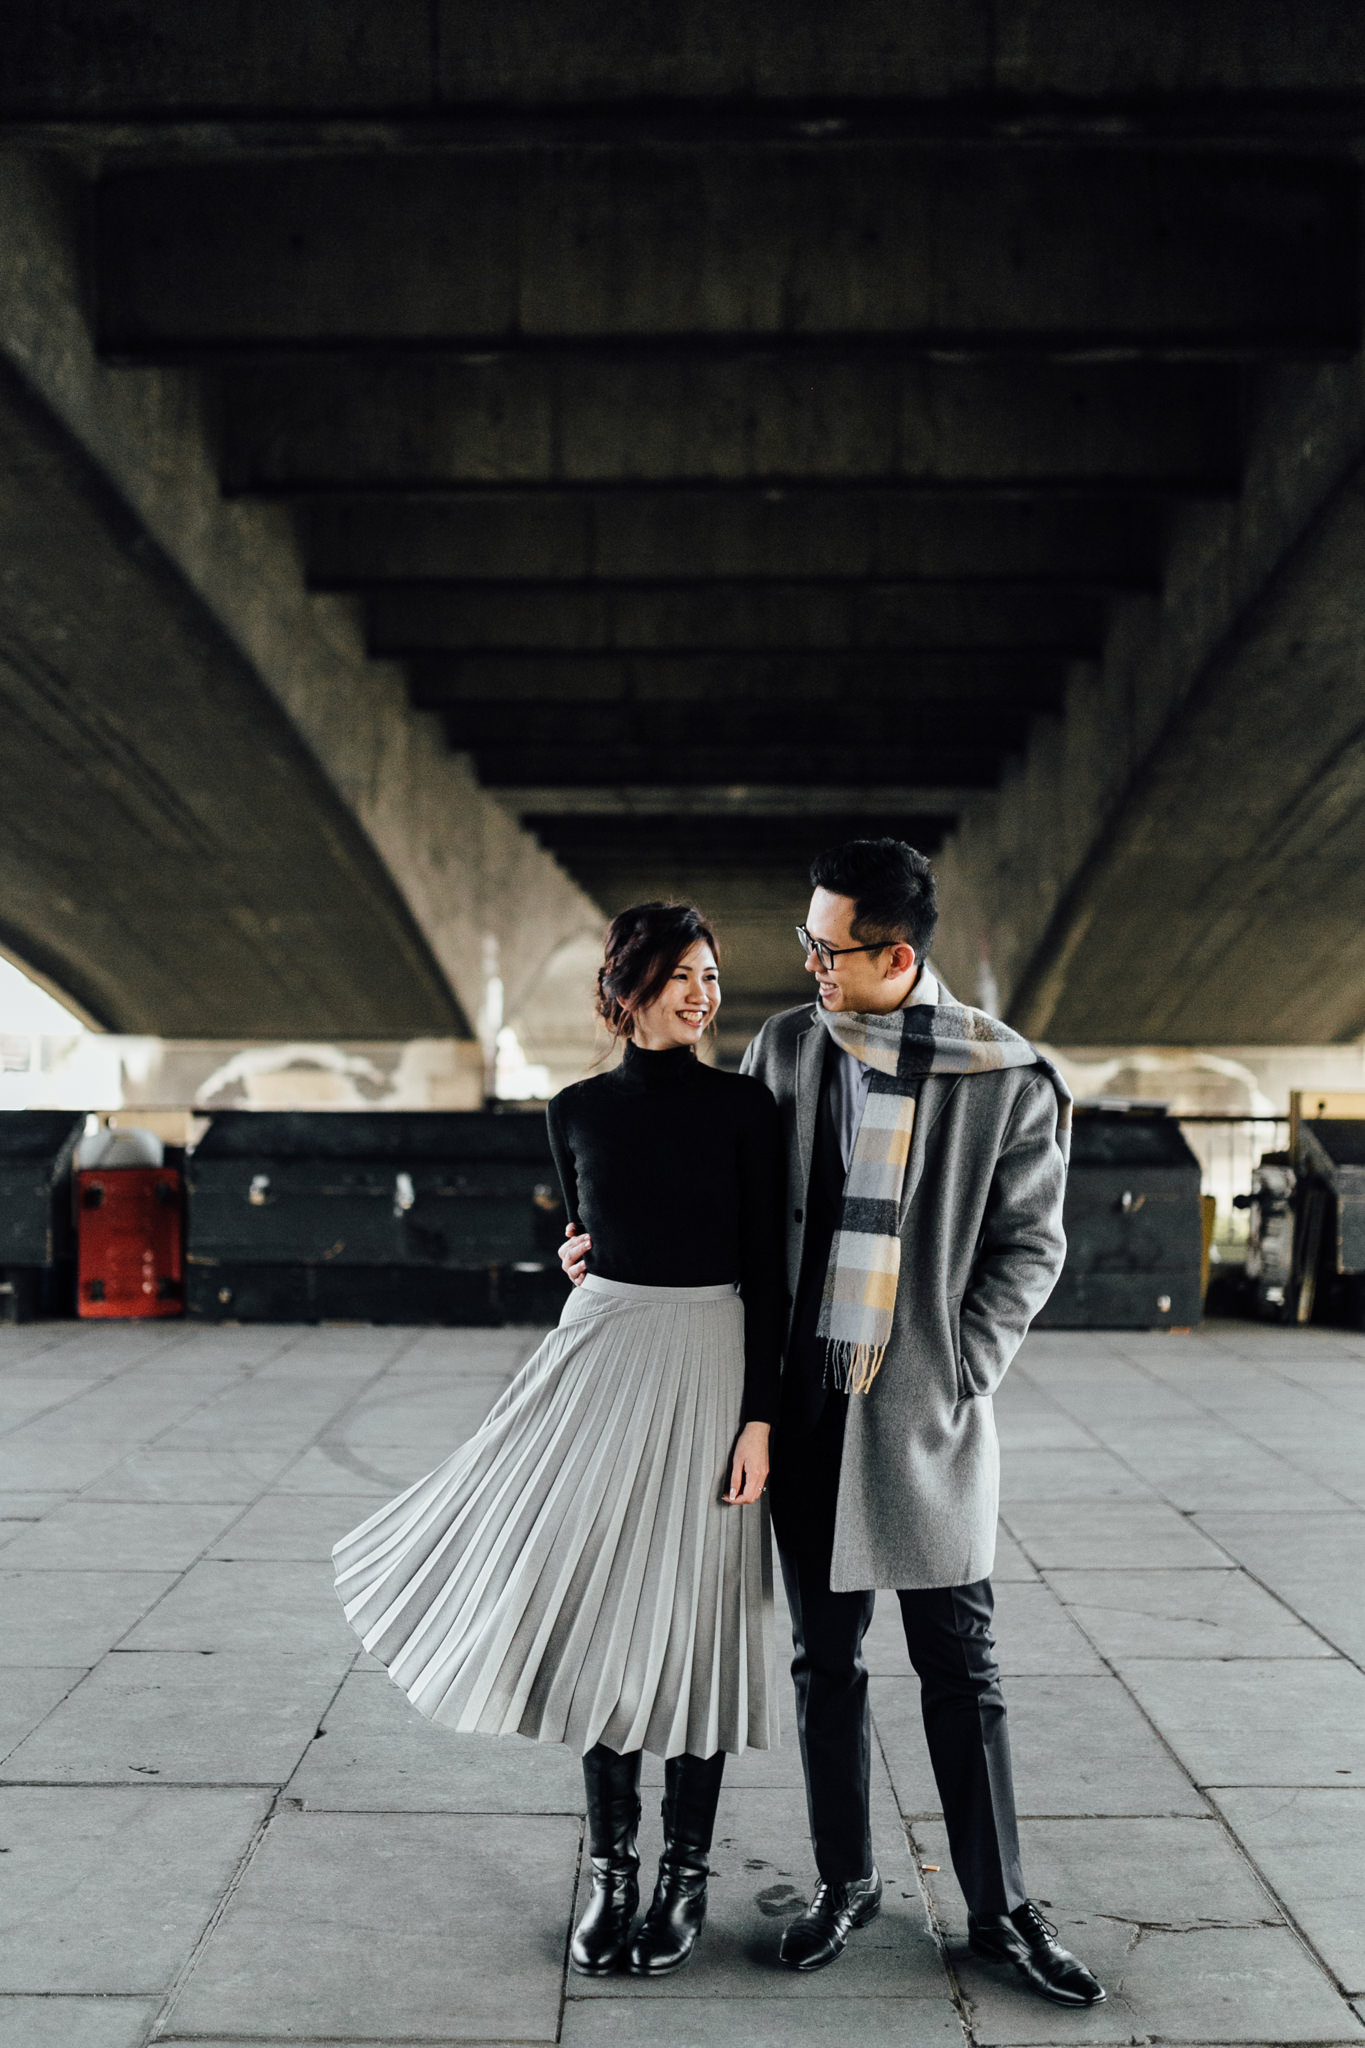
x=965, y=1390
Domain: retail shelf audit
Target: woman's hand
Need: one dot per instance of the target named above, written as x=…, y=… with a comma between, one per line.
x=573, y=1256
x=749, y=1471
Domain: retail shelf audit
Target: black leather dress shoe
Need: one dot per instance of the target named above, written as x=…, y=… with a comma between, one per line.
x=820, y=1935
x=1028, y=1941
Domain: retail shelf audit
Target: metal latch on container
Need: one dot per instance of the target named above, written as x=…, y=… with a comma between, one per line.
x=404, y=1194
x=257, y=1194
x=1130, y=1203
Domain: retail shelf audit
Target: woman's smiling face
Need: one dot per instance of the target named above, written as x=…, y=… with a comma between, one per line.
x=684, y=1006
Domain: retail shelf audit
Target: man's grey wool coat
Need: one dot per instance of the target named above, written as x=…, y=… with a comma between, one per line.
x=981, y=1247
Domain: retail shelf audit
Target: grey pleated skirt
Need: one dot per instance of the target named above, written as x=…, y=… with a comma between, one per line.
x=571, y=1573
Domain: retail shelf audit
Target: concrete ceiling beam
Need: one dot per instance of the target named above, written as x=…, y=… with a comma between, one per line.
x=522, y=686
x=849, y=418
x=765, y=806
x=80, y=59
x=735, y=618
x=761, y=844
x=780, y=748
x=662, y=729
x=944, y=47
x=748, y=870
x=986, y=248
x=811, y=760
x=642, y=536
x=77, y=60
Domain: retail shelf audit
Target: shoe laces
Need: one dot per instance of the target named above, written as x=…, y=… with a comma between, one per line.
x=1030, y=1921
x=838, y=1896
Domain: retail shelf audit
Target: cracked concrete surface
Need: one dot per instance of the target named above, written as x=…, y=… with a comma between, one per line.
x=219, y=1823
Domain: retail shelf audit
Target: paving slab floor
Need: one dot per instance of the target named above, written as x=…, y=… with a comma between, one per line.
x=220, y=1824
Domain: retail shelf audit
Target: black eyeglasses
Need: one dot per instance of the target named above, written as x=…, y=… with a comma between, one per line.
x=827, y=954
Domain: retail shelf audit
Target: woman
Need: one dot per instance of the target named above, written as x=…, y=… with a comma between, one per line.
x=575, y=1572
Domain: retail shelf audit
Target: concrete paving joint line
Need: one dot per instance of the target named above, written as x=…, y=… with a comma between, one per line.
x=957, y=1997
x=1239, y=1926
x=1285, y=1916
x=1337, y=1650
x=1292, y=1387
x=565, y=1971
x=233, y=1885
x=206, y=1933
x=356, y=1393
x=163, y=1348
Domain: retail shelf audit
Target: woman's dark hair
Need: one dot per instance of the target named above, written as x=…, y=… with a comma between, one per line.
x=892, y=887
x=644, y=945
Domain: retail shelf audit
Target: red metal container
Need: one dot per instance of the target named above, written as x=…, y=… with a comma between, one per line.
x=131, y=1238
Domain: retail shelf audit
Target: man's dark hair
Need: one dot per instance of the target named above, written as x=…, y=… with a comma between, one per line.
x=891, y=884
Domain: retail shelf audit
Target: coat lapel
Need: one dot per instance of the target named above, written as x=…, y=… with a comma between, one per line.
x=810, y=1060
x=934, y=1094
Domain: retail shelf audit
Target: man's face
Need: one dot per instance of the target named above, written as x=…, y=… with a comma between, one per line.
x=876, y=981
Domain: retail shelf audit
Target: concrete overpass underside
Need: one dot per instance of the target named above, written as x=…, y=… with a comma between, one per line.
x=469, y=467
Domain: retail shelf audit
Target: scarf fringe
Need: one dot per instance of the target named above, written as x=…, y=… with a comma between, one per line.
x=853, y=1367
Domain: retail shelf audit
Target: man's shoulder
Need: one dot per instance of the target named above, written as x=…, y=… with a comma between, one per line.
x=982, y=1106
x=1011, y=1081
x=786, y=1024
x=778, y=1035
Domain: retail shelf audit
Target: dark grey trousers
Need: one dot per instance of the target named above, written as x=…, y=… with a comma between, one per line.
x=948, y=1635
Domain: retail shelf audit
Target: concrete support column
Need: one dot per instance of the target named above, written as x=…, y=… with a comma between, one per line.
x=438, y=862
x=1176, y=844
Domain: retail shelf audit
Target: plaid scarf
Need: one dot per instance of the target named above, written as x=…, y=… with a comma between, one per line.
x=864, y=1263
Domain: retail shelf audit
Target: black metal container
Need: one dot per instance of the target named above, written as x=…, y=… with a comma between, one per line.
x=37, y=1235
x=374, y=1216
x=1133, y=1227
x=1329, y=1222
x=1332, y=1151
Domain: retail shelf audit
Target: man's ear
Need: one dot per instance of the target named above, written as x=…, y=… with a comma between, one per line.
x=900, y=960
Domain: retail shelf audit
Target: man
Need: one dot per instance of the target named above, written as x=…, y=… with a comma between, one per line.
x=925, y=1179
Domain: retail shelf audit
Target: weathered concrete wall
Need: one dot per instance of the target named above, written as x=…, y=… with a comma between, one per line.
x=463, y=866
x=1264, y=579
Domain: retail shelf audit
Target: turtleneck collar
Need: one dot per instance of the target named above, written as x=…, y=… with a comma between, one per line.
x=670, y=1069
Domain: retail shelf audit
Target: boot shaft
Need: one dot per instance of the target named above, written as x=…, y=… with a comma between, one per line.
x=691, y=1796
x=611, y=1784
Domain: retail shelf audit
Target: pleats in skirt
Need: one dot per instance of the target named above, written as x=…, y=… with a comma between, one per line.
x=571, y=1573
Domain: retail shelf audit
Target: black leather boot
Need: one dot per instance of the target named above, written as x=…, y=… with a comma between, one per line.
x=677, y=1912
x=612, y=1783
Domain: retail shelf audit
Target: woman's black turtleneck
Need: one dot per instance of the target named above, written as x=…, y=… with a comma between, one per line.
x=675, y=1170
